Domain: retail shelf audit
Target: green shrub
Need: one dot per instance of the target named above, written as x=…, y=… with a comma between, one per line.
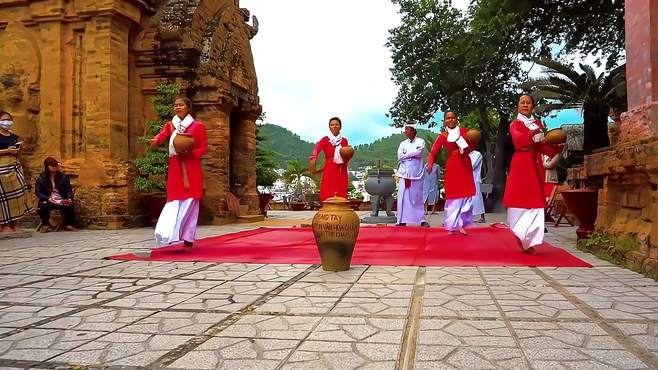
x=152, y=168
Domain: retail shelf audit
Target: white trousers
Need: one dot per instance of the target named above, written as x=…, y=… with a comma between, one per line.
x=527, y=224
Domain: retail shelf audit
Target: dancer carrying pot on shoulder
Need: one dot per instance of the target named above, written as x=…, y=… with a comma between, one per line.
x=524, y=192
x=178, y=220
x=458, y=182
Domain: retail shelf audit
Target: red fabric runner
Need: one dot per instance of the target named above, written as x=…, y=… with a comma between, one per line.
x=387, y=246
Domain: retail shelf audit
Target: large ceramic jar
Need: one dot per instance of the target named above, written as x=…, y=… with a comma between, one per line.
x=380, y=182
x=336, y=227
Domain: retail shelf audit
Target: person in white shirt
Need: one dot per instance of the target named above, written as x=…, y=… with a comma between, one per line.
x=478, y=201
x=411, y=207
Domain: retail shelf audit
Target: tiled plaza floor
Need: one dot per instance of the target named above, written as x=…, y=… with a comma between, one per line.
x=63, y=306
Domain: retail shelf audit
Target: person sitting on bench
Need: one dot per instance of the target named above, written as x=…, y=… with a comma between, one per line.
x=54, y=192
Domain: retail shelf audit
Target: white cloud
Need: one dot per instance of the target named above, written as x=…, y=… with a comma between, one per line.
x=318, y=59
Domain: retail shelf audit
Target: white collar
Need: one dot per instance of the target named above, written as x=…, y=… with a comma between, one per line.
x=453, y=134
x=529, y=122
x=182, y=125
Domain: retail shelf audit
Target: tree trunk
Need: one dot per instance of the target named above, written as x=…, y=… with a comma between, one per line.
x=595, y=130
x=487, y=136
x=503, y=157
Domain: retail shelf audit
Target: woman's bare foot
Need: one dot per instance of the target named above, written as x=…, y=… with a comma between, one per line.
x=46, y=229
x=462, y=231
x=530, y=250
x=70, y=228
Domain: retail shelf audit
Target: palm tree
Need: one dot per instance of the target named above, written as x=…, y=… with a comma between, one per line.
x=293, y=177
x=566, y=88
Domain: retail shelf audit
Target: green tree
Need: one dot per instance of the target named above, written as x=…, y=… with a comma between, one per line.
x=293, y=178
x=265, y=161
x=152, y=168
x=564, y=87
x=568, y=26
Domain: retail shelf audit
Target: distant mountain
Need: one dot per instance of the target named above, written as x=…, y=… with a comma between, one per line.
x=285, y=144
x=289, y=146
x=385, y=149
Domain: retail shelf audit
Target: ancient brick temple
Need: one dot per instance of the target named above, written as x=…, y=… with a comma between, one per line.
x=78, y=76
x=628, y=202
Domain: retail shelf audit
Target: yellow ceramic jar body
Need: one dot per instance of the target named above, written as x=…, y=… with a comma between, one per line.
x=336, y=227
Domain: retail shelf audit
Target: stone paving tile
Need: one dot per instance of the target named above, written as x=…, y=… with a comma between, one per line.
x=583, y=277
x=121, y=285
x=43, y=251
x=464, y=301
x=363, y=329
x=25, y=295
x=360, y=290
x=343, y=355
x=343, y=277
x=271, y=327
x=534, y=302
x=42, y=344
x=67, y=283
x=372, y=306
x=14, y=260
x=99, y=319
x=224, y=271
x=306, y=289
x=177, y=322
x=457, y=333
x=19, y=316
x=616, y=294
x=298, y=305
x=100, y=253
x=552, y=343
x=511, y=276
x=12, y=280
x=237, y=353
x=609, y=309
x=273, y=273
x=389, y=275
x=453, y=275
x=218, y=302
x=141, y=269
x=244, y=287
x=434, y=357
x=76, y=298
x=127, y=349
x=57, y=266
x=185, y=286
x=150, y=300
x=646, y=334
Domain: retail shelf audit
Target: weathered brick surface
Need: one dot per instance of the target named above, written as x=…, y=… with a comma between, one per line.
x=628, y=202
x=78, y=79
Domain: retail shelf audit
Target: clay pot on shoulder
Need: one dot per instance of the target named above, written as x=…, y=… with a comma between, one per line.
x=336, y=227
x=183, y=143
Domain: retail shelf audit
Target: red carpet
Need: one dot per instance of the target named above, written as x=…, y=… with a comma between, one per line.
x=388, y=246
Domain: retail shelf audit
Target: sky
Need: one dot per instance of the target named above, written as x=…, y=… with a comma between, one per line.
x=319, y=59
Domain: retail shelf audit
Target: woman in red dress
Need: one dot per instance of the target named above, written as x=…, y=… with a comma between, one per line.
x=334, y=175
x=524, y=192
x=178, y=219
x=458, y=183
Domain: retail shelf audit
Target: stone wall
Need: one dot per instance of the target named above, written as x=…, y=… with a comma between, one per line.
x=628, y=199
x=78, y=76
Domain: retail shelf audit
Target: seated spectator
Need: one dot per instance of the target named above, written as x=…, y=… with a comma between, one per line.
x=54, y=192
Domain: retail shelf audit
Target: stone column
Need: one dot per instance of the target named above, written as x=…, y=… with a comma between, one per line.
x=216, y=116
x=641, y=120
x=105, y=170
x=245, y=161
